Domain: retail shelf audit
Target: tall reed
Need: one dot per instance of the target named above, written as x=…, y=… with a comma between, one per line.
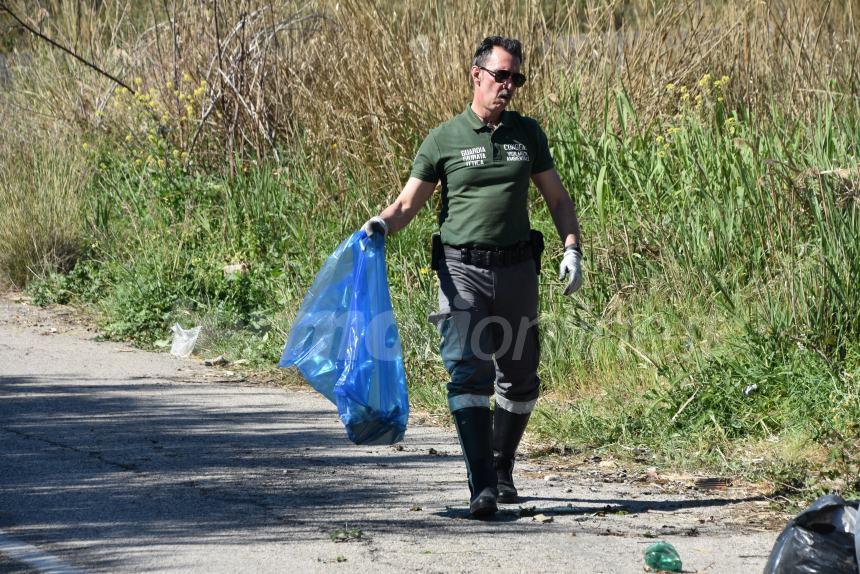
x=711, y=148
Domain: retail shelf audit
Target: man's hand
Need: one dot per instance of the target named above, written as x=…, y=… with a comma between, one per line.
x=571, y=265
x=375, y=225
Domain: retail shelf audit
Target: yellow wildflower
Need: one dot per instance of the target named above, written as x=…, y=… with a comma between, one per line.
x=138, y=81
x=186, y=77
x=705, y=81
x=670, y=87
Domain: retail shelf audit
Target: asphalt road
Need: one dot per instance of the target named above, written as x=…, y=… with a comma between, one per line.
x=118, y=460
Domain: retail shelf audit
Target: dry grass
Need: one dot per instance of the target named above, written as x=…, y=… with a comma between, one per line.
x=710, y=228
x=362, y=80
x=355, y=83
x=40, y=191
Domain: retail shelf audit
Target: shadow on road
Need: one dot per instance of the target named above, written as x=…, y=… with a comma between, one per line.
x=530, y=506
x=86, y=459
x=143, y=462
x=630, y=506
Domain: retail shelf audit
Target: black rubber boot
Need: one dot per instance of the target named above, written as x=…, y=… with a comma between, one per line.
x=475, y=427
x=508, y=429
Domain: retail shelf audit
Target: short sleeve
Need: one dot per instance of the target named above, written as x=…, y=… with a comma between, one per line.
x=543, y=159
x=425, y=166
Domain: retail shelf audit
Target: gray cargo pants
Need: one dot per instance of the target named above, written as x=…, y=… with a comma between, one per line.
x=488, y=321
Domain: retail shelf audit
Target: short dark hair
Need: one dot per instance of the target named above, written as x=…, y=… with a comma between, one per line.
x=510, y=45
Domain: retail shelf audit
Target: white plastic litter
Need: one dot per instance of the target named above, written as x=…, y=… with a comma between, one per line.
x=183, y=340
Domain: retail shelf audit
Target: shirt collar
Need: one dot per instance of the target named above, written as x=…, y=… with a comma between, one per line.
x=475, y=122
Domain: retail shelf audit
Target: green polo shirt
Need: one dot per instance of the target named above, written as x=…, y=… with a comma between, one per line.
x=485, y=176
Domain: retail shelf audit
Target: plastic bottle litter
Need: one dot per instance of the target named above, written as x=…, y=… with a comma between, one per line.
x=663, y=556
x=183, y=340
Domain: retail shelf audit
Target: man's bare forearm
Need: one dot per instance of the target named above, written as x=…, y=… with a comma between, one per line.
x=560, y=205
x=566, y=223
x=410, y=201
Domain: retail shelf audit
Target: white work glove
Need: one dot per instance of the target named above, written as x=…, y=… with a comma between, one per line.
x=571, y=265
x=375, y=225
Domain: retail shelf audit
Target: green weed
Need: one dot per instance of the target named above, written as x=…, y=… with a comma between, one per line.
x=719, y=324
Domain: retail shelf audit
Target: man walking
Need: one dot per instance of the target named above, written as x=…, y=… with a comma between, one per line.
x=486, y=261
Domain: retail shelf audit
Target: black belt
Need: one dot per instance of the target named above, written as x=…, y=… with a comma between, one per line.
x=490, y=257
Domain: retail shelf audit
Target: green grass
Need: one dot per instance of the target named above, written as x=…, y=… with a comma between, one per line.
x=721, y=253
x=719, y=324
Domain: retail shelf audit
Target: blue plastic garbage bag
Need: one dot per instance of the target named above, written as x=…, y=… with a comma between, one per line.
x=345, y=343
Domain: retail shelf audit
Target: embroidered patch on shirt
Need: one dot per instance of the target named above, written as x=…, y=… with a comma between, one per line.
x=516, y=152
x=473, y=155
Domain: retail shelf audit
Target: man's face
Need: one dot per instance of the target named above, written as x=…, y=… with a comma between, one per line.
x=490, y=94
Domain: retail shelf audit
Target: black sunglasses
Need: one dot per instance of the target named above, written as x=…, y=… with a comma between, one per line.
x=502, y=76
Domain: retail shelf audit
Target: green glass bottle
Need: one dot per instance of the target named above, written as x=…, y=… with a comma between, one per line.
x=663, y=556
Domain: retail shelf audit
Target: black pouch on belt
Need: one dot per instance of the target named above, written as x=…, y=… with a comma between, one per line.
x=536, y=240
x=437, y=252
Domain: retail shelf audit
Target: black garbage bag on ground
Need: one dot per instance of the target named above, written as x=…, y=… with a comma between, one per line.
x=823, y=539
